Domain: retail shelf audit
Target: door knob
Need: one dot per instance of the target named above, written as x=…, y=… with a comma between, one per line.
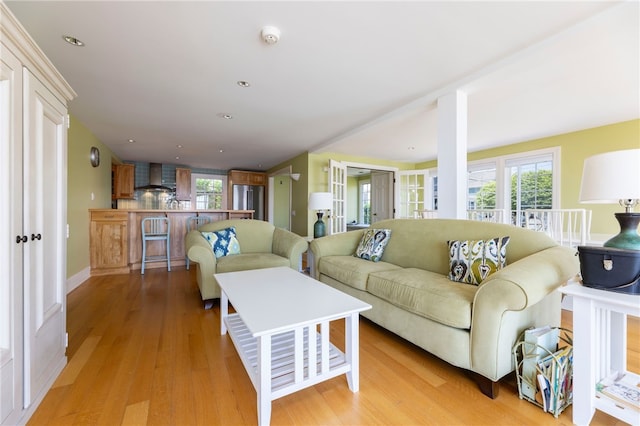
x=35, y=237
x=22, y=239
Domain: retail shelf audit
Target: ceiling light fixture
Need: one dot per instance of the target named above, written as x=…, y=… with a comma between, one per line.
x=243, y=83
x=131, y=140
x=226, y=116
x=73, y=41
x=178, y=146
x=270, y=35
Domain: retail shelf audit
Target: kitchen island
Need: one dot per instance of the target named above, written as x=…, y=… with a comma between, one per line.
x=115, y=237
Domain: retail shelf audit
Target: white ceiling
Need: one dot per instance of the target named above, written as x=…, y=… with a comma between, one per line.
x=357, y=77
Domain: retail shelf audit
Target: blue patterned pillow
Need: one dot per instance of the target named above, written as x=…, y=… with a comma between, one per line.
x=470, y=262
x=372, y=244
x=223, y=242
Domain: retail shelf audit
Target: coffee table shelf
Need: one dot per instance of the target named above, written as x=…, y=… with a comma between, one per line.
x=283, y=357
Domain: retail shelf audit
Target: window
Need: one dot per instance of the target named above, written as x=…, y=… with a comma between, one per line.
x=515, y=183
x=365, y=202
x=531, y=185
x=208, y=191
x=481, y=187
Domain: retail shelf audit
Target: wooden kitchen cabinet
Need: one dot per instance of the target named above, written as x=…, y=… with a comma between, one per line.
x=123, y=176
x=108, y=242
x=240, y=177
x=183, y=184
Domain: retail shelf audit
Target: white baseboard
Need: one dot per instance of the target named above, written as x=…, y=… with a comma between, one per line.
x=75, y=280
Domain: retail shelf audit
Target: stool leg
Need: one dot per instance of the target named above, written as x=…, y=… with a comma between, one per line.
x=144, y=254
x=168, y=256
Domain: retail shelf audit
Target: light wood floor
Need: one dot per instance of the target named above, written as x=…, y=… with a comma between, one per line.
x=143, y=351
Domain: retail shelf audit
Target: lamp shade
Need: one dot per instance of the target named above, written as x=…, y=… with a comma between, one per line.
x=320, y=201
x=611, y=177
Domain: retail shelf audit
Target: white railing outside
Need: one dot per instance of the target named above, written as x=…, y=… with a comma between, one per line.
x=569, y=227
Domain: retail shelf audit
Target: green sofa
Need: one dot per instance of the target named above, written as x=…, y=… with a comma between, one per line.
x=472, y=327
x=262, y=245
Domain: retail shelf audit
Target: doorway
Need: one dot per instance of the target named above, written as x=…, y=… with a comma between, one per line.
x=369, y=196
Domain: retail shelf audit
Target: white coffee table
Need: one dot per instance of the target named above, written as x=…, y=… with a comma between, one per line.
x=278, y=312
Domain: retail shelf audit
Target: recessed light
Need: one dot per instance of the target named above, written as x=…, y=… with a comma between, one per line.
x=243, y=83
x=178, y=146
x=131, y=140
x=177, y=157
x=72, y=40
x=411, y=148
x=225, y=115
x=221, y=150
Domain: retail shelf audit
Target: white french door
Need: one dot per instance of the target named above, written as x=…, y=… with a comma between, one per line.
x=338, y=189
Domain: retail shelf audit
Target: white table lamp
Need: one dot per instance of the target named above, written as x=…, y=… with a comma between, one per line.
x=614, y=178
x=320, y=201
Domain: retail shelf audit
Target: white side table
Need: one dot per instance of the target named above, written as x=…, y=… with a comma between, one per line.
x=599, y=348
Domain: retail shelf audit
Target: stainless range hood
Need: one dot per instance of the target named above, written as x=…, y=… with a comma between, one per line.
x=155, y=180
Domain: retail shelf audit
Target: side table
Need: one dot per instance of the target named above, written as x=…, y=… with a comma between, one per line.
x=599, y=348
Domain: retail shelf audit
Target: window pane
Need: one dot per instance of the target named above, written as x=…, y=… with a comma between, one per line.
x=208, y=193
x=365, y=202
x=531, y=188
x=481, y=188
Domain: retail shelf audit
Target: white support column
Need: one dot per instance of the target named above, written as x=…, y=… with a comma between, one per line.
x=452, y=155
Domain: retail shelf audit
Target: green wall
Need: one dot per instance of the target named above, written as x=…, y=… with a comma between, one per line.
x=281, y=185
x=82, y=181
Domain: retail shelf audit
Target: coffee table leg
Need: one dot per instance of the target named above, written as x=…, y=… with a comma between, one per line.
x=352, y=353
x=224, y=312
x=264, y=378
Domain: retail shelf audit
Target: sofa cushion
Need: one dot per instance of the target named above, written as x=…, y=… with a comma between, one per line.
x=246, y=261
x=472, y=261
x=223, y=242
x=372, y=244
x=351, y=270
x=428, y=294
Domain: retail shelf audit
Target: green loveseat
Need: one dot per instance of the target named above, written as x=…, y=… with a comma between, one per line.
x=472, y=327
x=262, y=245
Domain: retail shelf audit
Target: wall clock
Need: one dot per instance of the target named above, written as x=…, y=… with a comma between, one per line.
x=95, y=156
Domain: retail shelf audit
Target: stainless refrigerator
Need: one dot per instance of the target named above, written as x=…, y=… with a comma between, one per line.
x=249, y=197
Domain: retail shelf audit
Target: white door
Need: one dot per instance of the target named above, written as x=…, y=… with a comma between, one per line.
x=414, y=193
x=381, y=195
x=11, y=244
x=45, y=183
x=338, y=188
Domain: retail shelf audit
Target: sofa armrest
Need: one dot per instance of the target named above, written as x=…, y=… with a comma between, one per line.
x=518, y=286
x=343, y=244
x=289, y=245
x=199, y=250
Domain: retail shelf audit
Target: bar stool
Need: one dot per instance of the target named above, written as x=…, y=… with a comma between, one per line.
x=156, y=229
x=194, y=222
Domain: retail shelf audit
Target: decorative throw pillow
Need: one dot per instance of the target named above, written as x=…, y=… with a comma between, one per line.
x=223, y=242
x=471, y=262
x=372, y=244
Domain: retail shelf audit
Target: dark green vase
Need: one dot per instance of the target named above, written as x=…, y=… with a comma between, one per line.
x=319, y=227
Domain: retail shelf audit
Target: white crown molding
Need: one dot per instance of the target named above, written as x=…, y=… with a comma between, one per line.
x=13, y=33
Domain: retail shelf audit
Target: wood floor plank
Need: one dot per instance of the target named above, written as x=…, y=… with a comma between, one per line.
x=136, y=414
x=143, y=350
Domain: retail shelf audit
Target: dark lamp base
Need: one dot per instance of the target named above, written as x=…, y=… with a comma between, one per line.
x=319, y=227
x=628, y=237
